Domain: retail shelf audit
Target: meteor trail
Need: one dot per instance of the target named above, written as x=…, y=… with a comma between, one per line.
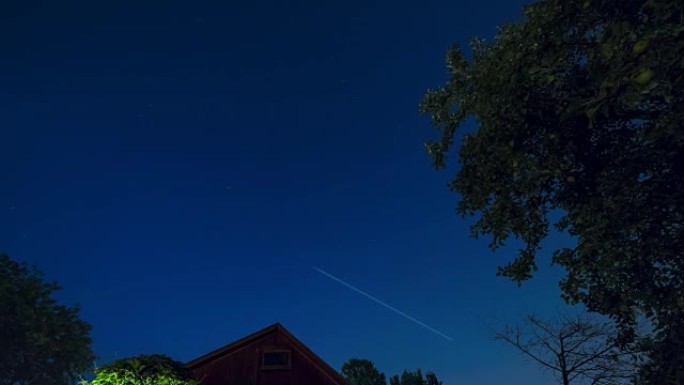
x=401, y=313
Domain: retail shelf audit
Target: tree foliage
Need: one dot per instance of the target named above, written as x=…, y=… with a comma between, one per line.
x=579, y=110
x=41, y=342
x=362, y=372
x=415, y=378
x=577, y=348
x=155, y=369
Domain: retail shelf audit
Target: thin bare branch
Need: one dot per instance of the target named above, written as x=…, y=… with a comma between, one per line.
x=579, y=349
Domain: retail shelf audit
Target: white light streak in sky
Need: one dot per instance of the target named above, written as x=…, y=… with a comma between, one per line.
x=401, y=313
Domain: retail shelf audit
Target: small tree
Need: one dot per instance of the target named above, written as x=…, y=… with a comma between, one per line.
x=153, y=369
x=41, y=342
x=415, y=378
x=578, y=349
x=362, y=372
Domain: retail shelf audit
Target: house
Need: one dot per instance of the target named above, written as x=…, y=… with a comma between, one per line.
x=271, y=356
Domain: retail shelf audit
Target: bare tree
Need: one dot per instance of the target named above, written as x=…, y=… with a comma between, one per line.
x=578, y=348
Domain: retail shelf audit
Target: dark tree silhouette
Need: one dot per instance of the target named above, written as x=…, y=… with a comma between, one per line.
x=578, y=349
x=415, y=378
x=362, y=372
x=579, y=110
x=41, y=342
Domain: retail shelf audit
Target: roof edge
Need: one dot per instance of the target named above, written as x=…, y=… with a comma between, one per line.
x=328, y=370
x=232, y=346
x=317, y=361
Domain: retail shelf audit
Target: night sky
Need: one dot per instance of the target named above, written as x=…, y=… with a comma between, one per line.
x=180, y=167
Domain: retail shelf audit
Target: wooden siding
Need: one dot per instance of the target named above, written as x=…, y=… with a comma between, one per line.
x=240, y=363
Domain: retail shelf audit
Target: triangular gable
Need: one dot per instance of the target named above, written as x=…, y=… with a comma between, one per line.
x=233, y=347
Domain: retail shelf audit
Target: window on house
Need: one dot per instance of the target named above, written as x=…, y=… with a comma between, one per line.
x=275, y=359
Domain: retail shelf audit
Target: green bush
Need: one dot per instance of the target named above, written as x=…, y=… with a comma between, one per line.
x=153, y=369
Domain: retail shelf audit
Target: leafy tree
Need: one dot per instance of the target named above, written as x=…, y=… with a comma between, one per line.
x=665, y=365
x=415, y=378
x=579, y=110
x=41, y=342
x=578, y=349
x=362, y=372
x=155, y=369
x=431, y=379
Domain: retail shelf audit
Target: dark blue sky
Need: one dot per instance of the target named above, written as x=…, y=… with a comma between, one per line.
x=179, y=167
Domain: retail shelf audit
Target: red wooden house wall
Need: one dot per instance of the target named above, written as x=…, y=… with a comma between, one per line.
x=241, y=362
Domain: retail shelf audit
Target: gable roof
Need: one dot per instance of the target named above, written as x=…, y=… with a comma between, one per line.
x=248, y=340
